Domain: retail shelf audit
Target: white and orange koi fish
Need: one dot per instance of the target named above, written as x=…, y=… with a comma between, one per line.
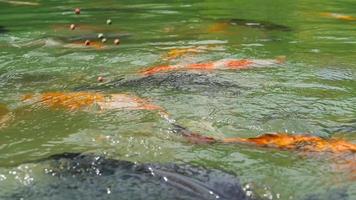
x=82, y=100
x=225, y=64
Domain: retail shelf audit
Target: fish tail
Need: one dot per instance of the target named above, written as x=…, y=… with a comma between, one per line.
x=192, y=137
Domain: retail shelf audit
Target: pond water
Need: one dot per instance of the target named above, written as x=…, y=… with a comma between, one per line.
x=313, y=91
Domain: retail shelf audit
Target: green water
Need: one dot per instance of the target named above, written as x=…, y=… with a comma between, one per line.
x=313, y=92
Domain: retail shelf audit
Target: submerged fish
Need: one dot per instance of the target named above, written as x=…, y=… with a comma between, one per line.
x=175, y=53
x=83, y=100
x=224, y=24
x=5, y=116
x=224, y=64
x=341, y=151
x=303, y=143
x=179, y=52
x=88, y=176
x=339, y=16
x=205, y=84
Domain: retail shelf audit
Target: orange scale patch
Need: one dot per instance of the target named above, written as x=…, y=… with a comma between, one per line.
x=298, y=142
x=239, y=64
x=201, y=66
x=70, y=100
x=158, y=69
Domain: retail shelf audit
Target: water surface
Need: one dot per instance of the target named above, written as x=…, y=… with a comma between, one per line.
x=313, y=92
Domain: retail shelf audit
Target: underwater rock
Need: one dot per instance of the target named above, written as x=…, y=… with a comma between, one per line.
x=80, y=176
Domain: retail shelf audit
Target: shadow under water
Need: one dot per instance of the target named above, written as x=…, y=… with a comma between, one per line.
x=80, y=176
x=3, y=30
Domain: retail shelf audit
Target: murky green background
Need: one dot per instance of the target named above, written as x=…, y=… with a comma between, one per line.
x=313, y=92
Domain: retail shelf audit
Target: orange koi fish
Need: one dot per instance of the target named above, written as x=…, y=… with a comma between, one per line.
x=342, y=152
x=4, y=115
x=219, y=27
x=297, y=142
x=81, y=100
x=339, y=16
x=175, y=53
x=236, y=64
x=285, y=141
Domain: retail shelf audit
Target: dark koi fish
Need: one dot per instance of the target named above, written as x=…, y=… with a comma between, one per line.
x=89, y=176
x=205, y=84
x=224, y=24
x=225, y=64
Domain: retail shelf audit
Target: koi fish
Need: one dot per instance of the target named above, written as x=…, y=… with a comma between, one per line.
x=300, y=143
x=204, y=84
x=223, y=24
x=26, y=3
x=219, y=27
x=297, y=142
x=340, y=151
x=225, y=64
x=4, y=116
x=95, y=176
x=285, y=141
x=81, y=100
x=175, y=53
x=339, y=16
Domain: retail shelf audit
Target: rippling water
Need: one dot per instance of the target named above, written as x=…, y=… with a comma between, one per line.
x=312, y=92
